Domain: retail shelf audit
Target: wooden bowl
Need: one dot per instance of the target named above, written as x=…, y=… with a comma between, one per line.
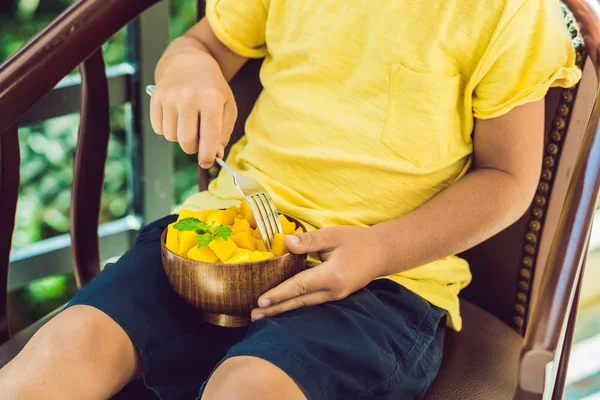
x=227, y=292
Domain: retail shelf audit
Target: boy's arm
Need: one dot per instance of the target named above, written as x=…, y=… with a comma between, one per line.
x=200, y=45
x=508, y=153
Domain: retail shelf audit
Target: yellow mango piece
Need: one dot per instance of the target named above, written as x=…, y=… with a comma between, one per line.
x=260, y=245
x=187, y=240
x=203, y=254
x=216, y=218
x=278, y=247
x=244, y=240
x=247, y=213
x=201, y=215
x=241, y=225
x=256, y=234
x=298, y=230
x=240, y=258
x=228, y=217
x=256, y=256
x=236, y=210
x=260, y=255
x=222, y=248
x=172, y=238
x=286, y=225
x=240, y=251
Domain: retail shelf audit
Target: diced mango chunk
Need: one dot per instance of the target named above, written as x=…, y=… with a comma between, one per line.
x=260, y=245
x=239, y=252
x=240, y=258
x=222, y=248
x=256, y=234
x=236, y=210
x=228, y=217
x=216, y=218
x=260, y=255
x=256, y=256
x=204, y=254
x=239, y=255
x=247, y=213
x=286, y=225
x=187, y=240
x=241, y=225
x=278, y=247
x=298, y=230
x=201, y=215
x=244, y=240
x=172, y=238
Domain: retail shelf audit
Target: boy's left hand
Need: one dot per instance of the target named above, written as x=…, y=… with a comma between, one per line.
x=352, y=257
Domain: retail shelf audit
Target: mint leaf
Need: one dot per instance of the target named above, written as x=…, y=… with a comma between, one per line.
x=203, y=240
x=189, y=224
x=192, y=224
x=223, y=232
x=207, y=233
x=212, y=228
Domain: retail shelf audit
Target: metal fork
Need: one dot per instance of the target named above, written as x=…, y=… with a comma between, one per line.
x=259, y=200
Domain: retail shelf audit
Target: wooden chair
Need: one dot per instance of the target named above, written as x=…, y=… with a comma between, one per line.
x=519, y=311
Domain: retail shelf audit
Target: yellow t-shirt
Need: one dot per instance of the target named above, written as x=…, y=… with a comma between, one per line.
x=368, y=105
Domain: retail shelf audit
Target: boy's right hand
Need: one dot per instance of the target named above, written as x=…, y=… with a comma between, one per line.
x=193, y=104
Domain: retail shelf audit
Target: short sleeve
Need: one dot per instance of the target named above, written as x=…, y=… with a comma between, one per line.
x=240, y=25
x=531, y=52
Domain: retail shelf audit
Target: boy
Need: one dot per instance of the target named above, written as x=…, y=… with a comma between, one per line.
x=371, y=115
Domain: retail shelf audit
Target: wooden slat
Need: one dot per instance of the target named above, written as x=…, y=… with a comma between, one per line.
x=88, y=169
x=10, y=160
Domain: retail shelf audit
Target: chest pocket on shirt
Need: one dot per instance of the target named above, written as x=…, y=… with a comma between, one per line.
x=423, y=122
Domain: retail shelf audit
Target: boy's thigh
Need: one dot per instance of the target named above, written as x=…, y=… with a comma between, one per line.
x=136, y=293
x=382, y=342
x=177, y=348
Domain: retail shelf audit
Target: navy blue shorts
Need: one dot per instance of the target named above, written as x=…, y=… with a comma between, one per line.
x=383, y=342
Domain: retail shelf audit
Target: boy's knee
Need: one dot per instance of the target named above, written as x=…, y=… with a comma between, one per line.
x=246, y=377
x=80, y=332
x=77, y=327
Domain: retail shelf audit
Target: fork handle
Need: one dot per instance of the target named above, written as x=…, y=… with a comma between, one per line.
x=222, y=164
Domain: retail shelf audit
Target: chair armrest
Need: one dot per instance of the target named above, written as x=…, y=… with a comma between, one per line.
x=39, y=65
x=563, y=270
x=547, y=327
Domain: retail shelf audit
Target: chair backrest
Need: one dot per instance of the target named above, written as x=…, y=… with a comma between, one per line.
x=74, y=38
x=506, y=266
x=507, y=269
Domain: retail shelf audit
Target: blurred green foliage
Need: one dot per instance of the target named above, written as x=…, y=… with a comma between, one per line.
x=47, y=151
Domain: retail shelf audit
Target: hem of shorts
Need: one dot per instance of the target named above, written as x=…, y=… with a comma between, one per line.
x=289, y=363
x=135, y=344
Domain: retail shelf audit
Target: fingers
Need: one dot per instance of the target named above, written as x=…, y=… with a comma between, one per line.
x=170, y=123
x=201, y=120
x=187, y=130
x=211, y=124
x=311, y=299
x=156, y=114
x=321, y=240
x=230, y=114
x=308, y=281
